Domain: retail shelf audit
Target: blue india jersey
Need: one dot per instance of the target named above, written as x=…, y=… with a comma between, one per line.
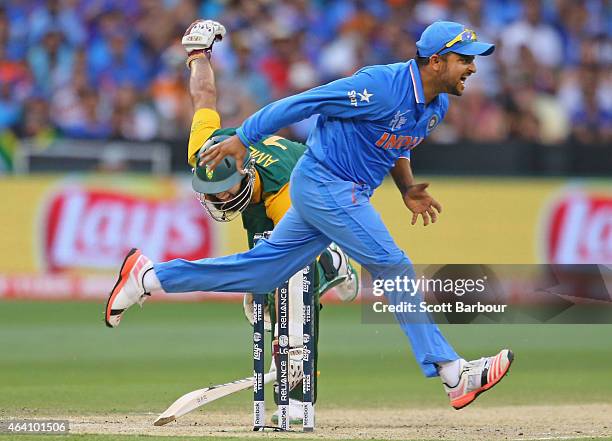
x=366, y=121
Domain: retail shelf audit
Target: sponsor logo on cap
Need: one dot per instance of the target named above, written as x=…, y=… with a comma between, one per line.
x=209, y=172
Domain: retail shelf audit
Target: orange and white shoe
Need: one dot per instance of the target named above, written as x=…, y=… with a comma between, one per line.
x=478, y=376
x=129, y=288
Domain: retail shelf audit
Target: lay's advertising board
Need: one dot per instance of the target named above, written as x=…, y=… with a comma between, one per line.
x=64, y=237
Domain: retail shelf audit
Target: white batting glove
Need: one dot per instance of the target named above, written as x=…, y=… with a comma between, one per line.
x=201, y=35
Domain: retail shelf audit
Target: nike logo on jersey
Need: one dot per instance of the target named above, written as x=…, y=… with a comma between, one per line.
x=388, y=141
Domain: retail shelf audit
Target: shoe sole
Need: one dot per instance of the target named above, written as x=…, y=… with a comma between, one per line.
x=470, y=397
x=129, y=261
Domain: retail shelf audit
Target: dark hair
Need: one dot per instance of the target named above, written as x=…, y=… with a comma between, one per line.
x=424, y=61
x=421, y=61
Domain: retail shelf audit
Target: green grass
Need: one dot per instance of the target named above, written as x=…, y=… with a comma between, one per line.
x=59, y=358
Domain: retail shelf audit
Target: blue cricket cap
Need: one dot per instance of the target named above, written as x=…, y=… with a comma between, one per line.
x=440, y=33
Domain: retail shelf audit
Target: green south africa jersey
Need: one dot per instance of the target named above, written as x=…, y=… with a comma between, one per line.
x=275, y=158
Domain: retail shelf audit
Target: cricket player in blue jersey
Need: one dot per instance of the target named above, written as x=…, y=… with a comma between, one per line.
x=368, y=124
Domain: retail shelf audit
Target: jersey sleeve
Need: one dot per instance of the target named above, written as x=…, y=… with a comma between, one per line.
x=365, y=95
x=204, y=123
x=277, y=204
x=405, y=155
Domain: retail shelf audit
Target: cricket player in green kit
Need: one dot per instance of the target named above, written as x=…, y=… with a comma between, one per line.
x=260, y=198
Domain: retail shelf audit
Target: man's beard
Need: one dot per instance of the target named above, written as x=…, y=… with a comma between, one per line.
x=453, y=88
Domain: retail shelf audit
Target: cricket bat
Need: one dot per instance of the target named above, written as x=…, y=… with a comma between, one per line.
x=201, y=397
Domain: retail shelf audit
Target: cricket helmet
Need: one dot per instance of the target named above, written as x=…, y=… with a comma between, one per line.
x=207, y=184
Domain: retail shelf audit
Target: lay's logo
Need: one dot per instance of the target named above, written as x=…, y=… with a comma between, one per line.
x=94, y=228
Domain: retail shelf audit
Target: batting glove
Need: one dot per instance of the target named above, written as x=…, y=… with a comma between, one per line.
x=200, y=37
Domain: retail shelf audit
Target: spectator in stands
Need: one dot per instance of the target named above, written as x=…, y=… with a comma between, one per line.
x=60, y=15
x=36, y=124
x=116, y=60
x=592, y=118
x=15, y=86
x=51, y=61
x=13, y=47
x=533, y=32
x=92, y=118
x=10, y=109
x=133, y=117
x=66, y=107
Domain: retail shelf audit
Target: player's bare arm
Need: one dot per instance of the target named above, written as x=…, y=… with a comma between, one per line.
x=415, y=196
x=202, y=84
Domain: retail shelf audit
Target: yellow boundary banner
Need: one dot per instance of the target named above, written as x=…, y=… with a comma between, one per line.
x=63, y=237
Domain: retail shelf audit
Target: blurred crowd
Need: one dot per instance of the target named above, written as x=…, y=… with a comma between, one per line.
x=114, y=69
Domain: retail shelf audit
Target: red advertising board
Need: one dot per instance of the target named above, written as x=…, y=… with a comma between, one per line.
x=94, y=228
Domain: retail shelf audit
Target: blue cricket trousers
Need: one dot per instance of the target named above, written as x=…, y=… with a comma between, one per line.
x=324, y=209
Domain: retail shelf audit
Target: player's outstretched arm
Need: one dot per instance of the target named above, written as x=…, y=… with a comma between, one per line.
x=335, y=99
x=198, y=42
x=360, y=96
x=415, y=196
